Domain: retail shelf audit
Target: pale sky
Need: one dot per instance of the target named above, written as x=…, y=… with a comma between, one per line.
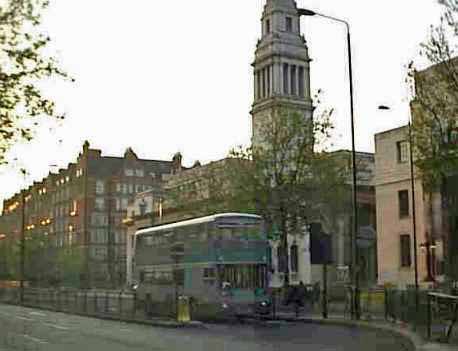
x=175, y=75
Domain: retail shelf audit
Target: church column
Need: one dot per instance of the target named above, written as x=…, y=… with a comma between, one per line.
x=301, y=81
x=272, y=80
x=269, y=80
x=277, y=81
x=259, y=84
x=285, y=78
x=307, y=81
x=255, y=85
x=293, y=80
x=265, y=81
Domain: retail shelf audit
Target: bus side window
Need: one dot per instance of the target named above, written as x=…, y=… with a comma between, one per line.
x=226, y=233
x=209, y=273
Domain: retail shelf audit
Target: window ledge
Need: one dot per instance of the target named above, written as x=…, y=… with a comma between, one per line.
x=405, y=217
x=405, y=268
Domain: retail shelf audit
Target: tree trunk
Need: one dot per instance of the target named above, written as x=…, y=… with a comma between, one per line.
x=284, y=232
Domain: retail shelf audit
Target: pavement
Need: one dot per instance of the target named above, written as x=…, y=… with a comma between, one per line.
x=24, y=328
x=375, y=322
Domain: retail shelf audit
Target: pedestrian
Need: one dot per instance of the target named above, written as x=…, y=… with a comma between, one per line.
x=315, y=294
x=149, y=306
x=298, y=297
x=301, y=294
x=291, y=292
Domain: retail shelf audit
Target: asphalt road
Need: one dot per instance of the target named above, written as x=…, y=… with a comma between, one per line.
x=36, y=330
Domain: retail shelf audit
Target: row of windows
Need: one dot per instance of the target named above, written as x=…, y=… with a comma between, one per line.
x=200, y=234
x=100, y=236
x=120, y=204
x=131, y=188
x=69, y=209
x=248, y=276
x=62, y=225
x=125, y=188
x=134, y=172
x=162, y=277
x=101, y=220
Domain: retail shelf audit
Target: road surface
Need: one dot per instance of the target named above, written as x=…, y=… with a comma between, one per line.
x=37, y=330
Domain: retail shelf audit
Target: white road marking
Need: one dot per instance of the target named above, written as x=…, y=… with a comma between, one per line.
x=40, y=341
x=37, y=314
x=24, y=318
x=56, y=326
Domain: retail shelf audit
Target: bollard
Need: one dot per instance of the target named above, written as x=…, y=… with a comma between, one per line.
x=183, y=309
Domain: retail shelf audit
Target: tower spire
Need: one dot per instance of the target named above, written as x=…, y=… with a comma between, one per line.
x=281, y=65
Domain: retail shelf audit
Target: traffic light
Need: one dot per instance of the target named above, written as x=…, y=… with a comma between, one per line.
x=320, y=245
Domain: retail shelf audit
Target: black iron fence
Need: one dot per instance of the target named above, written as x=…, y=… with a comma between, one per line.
x=434, y=317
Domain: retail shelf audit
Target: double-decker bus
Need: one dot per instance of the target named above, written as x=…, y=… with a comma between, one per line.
x=220, y=262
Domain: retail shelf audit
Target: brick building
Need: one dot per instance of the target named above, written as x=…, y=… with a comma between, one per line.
x=73, y=219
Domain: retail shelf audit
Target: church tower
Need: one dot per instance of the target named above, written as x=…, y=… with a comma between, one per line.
x=281, y=66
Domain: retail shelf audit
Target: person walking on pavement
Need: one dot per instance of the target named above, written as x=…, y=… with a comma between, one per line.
x=299, y=297
x=315, y=294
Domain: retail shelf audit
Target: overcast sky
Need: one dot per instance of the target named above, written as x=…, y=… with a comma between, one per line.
x=175, y=75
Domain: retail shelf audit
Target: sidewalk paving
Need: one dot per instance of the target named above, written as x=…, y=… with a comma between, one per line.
x=377, y=322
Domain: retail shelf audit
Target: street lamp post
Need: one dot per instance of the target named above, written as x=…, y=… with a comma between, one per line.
x=355, y=270
x=22, y=250
x=414, y=218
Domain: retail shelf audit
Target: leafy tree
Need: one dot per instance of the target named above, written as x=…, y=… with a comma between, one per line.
x=70, y=265
x=23, y=64
x=435, y=101
x=434, y=110
x=287, y=177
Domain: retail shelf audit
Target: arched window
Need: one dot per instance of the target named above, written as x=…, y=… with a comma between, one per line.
x=281, y=259
x=269, y=258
